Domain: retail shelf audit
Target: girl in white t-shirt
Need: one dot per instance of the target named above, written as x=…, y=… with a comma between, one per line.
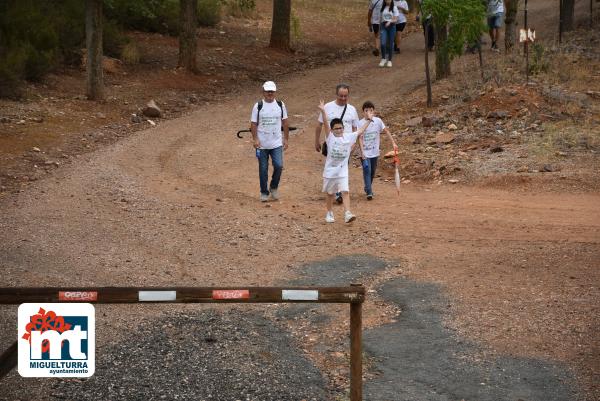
x=335, y=173
x=387, y=31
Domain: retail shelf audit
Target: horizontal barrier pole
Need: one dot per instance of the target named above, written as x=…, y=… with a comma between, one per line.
x=116, y=295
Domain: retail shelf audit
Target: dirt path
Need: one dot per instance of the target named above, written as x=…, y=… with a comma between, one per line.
x=178, y=205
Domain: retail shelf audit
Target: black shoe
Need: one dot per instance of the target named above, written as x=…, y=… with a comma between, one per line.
x=376, y=52
x=397, y=51
x=338, y=198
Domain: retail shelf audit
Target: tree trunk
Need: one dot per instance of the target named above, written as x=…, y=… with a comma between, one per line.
x=187, y=34
x=568, y=15
x=510, y=34
x=412, y=6
x=93, y=42
x=280, y=28
x=442, y=58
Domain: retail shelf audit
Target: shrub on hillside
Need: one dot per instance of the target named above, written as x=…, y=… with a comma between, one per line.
x=159, y=15
x=240, y=8
x=209, y=12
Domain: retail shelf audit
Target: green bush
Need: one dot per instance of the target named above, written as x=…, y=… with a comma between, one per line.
x=539, y=61
x=208, y=12
x=144, y=15
x=10, y=63
x=39, y=35
x=240, y=8
x=113, y=39
x=130, y=53
x=295, y=25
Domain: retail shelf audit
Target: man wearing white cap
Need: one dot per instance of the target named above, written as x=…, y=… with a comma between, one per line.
x=268, y=120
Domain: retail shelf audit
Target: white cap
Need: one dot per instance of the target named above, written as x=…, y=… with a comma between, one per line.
x=269, y=86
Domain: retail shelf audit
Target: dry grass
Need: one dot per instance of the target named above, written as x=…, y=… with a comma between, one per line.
x=130, y=54
x=565, y=137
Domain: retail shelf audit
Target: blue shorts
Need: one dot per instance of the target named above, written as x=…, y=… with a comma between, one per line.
x=495, y=21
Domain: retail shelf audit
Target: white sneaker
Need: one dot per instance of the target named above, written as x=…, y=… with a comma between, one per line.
x=389, y=63
x=264, y=197
x=348, y=216
x=329, y=217
x=274, y=194
x=382, y=62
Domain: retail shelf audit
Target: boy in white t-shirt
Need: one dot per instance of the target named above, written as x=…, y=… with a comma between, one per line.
x=370, y=145
x=335, y=173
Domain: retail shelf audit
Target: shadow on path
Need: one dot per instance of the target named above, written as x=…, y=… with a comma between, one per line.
x=418, y=359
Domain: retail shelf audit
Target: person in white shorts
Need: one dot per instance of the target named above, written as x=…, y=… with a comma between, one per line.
x=335, y=173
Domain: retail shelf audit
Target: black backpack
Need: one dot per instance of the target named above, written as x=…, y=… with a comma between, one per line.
x=260, y=106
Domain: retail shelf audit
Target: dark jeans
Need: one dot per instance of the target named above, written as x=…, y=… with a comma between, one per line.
x=263, y=168
x=369, y=166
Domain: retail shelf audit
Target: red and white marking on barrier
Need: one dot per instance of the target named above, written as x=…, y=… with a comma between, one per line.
x=231, y=294
x=157, y=296
x=78, y=296
x=299, y=295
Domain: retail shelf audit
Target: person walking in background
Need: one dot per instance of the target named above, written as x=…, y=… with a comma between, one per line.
x=401, y=23
x=373, y=19
x=495, y=12
x=267, y=121
x=339, y=108
x=387, y=31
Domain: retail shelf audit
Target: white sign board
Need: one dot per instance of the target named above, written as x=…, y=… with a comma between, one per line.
x=526, y=35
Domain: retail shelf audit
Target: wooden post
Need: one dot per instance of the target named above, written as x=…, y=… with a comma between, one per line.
x=356, y=351
x=526, y=45
x=8, y=360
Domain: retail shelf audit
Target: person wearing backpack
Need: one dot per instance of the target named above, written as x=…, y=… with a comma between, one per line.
x=267, y=121
x=373, y=18
x=338, y=108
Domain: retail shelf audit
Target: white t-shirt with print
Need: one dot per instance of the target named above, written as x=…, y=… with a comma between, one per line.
x=404, y=5
x=338, y=153
x=495, y=7
x=388, y=15
x=375, y=6
x=332, y=110
x=269, y=126
x=371, y=136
